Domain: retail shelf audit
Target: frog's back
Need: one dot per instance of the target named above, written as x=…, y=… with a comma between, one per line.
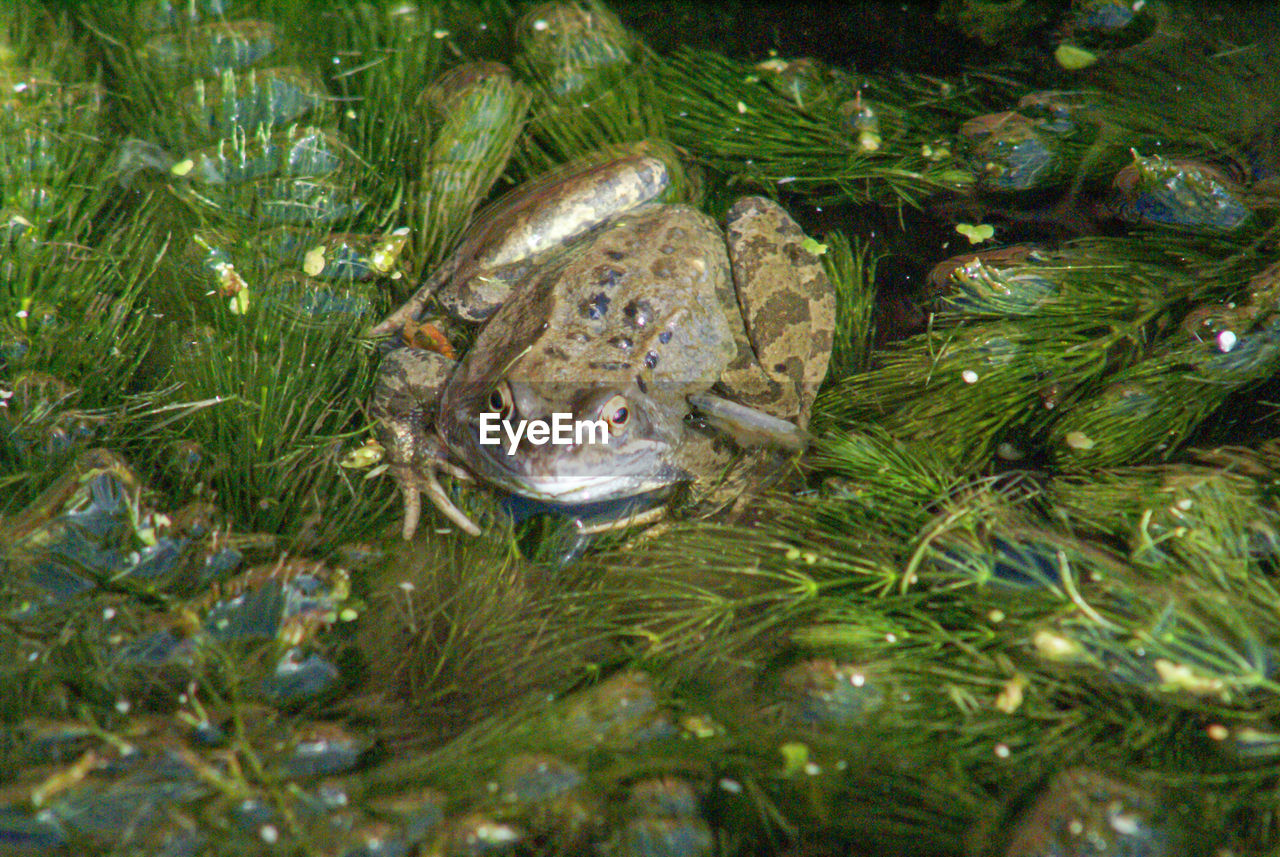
x=639, y=298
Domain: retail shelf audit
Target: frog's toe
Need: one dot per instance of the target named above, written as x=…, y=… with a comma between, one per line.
x=412, y=512
x=413, y=485
x=439, y=499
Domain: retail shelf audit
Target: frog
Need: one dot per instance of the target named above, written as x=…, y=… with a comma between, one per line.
x=677, y=342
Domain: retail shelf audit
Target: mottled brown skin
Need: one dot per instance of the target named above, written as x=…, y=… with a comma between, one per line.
x=633, y=310
x=788, y=309
x=645, y=310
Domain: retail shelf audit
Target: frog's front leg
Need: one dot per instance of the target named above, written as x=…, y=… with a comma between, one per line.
x=788, y=310
x=405, y=399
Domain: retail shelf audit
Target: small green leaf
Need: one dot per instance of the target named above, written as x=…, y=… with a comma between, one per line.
x=976, y=234
x=239, y=302
x=809, y=245
x=795, y=756
x=1073, y=58
x=959, y=177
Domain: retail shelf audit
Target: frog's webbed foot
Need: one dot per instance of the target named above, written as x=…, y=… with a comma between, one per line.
x=414, y=481
x=403, y=407
x=413, y=486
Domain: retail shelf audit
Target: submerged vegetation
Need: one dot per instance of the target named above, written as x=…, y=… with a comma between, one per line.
x=1016, y=598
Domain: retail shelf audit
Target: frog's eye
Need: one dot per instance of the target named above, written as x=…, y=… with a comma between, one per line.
x=616, y=413
x=501, y=401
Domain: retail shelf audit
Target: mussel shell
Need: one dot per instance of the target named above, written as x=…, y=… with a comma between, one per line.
x=296, y=152
x=214, y=47
x=244, y=102
x=573, y=48
x=1179, y=194
x=822, y=691
x=1079, y=811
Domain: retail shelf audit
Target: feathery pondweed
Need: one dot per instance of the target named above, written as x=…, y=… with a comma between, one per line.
x=727, y=114
x=1000, y=587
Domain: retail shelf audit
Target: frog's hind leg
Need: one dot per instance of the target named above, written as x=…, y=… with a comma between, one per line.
x=403, y=407
x=787, y=305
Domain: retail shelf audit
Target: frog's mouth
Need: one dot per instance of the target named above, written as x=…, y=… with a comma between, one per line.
x=580, y=490
x=563, y=484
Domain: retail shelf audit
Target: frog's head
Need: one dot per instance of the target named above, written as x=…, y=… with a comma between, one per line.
x=570, y=446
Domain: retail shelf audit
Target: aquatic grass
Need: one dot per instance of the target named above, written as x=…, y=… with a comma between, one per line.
x=724, y=113
x=1014, y=624
x=624, y=107
x=704, y=595
x=1219, y=103
x=280, y=402
x=1215, y=520
x=1011, y=634
x=476, y=116
x=593, y=84
x=1152, y=407
x=464, y=627
x=977, y=378
x=57, y=290
x=384, y=60
x=874, y=477
x=851, y=267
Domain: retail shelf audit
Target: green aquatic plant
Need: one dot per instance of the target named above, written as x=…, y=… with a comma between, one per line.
x=727, y=114
x=442, y=130
x=468, y=627
x=1015, y=349
x=594, y=83
x=275, y=417
x=75, y=325
x=916, y=636
x=851, y=267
